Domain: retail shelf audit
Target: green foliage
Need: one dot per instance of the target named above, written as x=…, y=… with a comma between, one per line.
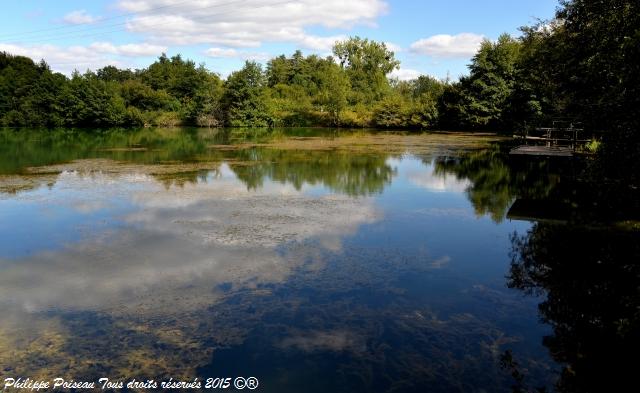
x=601, y=73
x=367, y=64
x=144, y=97
x=205, y=108
x=592, y=146
x=423, y=113
x=306, y=90
x=244, y=98
x=167, y=119
x=537, y=97
x=180, y=78
x=114, y=74
x=601, y=76
x=411, y=104
x=29, y=92
x=391, y=112
x=333, y=91
x=89, y=101
x=356, y=116
x=480, y=99
x=583, y=65
x=292, y=91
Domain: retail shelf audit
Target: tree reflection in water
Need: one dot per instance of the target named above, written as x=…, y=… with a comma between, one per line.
x=590, y=279
x=357, y=174
x=586, y=268
x=496, y=181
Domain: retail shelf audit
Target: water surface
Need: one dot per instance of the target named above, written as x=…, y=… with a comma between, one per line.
x=312, y=260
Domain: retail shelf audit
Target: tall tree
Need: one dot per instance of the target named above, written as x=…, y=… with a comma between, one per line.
x=244, y=97
x=484, y=94
x=600, y=73
x=367, y=64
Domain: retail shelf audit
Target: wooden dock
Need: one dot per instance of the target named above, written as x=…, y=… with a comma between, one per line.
x=555, y=151
x=549, y=141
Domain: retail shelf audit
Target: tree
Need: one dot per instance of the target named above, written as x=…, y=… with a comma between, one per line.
x=426, y=85
x=334, y=91
x=207, y=108
x=178, y=77
x=391, y=112
x=600, y=74
x=418, y=105
x=243, y=99
x=423, y=113
x=114, y=74
x=278, y=71
x=537, y=97
x=29, y=92
x=367, y=64
x=142, y=96
x=486, y=91
x=90, y=101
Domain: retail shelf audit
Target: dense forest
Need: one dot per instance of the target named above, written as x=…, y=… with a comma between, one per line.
x=584, y=65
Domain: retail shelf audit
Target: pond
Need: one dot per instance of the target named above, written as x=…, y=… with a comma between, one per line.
x=312, y=260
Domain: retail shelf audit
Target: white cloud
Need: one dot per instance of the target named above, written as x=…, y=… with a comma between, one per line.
x=64, y=60
x=234, y=53
x=141, y=49
x=393, y=47
x=79, y=17
x=181, y=239
x=405, y=74
x=437, y=183
x=250, y=23
x=77, y=57
x=226, y=26
x=221, y=52
x=320, y=43
x=448, y=46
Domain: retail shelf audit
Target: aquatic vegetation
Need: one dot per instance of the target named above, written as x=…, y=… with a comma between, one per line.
x=376, y=258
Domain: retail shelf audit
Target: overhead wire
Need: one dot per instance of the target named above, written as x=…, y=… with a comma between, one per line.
x=81, y=33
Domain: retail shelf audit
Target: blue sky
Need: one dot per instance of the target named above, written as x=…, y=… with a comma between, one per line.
x=429, y=37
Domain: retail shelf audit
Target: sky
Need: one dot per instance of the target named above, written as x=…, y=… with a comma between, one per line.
x=431, y=37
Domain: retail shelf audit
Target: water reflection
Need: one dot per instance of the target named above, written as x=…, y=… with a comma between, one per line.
x=495, y=181
x=211, y=228
x=342, y=171
x=589, y=278
x=361, y=269
x=580, y=258
x=173, y=254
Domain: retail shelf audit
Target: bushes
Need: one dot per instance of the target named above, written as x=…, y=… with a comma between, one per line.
x=398, y=112
x=167, y=119
x=134, y=117
x=391, y=112
x=356, y=117
x=294, y=91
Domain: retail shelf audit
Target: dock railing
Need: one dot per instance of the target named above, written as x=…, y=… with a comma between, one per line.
x=564, y=134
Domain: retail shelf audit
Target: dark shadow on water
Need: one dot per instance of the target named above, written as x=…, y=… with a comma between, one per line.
x=590, y=280
x=581, y=257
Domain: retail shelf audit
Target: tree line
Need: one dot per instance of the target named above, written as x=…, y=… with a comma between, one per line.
x=582, y=65
x=296, y=90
